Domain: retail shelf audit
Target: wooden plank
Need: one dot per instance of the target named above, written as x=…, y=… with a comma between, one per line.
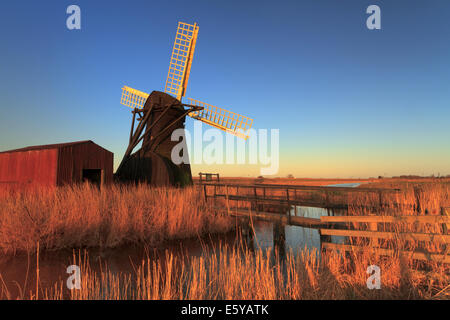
x=280, y=200
x=265, y=216
x=289, y=206
x=306, y=222
x=305, y=203
x=387, y=219
x=256, y=198
x=389, y=252
x=228, y=204
x=373, y=226
x=327, y=198
x=279, y=237
x=411, y=236
x=275, y=217
x=309, y=188
x=324, y=188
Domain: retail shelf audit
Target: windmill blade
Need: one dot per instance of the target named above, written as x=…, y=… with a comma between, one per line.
x=133, y=98
x=222, y=119
x=181, y=59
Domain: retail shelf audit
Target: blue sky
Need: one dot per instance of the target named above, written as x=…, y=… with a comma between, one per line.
x=349, y=102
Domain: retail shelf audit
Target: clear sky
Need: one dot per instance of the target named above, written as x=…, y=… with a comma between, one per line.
x=348, y=101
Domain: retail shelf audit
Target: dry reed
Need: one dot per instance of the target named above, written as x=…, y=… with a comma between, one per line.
x=234, y=273
x=84, y=216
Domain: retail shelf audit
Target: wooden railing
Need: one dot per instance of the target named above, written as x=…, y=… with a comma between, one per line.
x=208, y=177
x=287, y=196
x=350, y=228
x=381, y=234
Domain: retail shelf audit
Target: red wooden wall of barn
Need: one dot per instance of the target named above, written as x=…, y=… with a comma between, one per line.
x=23, y=169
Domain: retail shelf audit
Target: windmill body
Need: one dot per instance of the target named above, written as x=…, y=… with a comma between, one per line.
x=157, y=115
x=152, y=163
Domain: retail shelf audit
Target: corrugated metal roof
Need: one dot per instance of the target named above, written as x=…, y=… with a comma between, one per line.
x=51, y=146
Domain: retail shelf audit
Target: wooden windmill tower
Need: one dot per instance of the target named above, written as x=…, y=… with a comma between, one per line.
x=157, y=115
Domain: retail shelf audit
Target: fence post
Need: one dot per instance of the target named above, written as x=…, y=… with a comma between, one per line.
x=445, y=226
x=327, y=198
x=417, y=196
x=205, y=193
x=380, y=196
x=323, y=239
x=289, y=206
x=237, y=194
x=373, y=226
x=228, y=205
x=279, y=236
x=264, y=197
x=256, y=197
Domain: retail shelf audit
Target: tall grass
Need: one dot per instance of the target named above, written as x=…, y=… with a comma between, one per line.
x=427, y=196
x=240, y=273
x=84, y=216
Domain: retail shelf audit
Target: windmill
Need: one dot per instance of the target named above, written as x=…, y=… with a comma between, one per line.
x=157, y=115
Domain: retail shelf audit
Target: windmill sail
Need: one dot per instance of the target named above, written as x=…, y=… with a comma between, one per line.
x=222, y=119
x=181, y=59
x=133, y=98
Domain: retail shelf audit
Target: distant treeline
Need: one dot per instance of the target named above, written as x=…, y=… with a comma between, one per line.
x=417, y=177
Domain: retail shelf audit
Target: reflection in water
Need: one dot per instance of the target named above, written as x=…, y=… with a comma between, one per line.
x=300, y=237
x=296, y=237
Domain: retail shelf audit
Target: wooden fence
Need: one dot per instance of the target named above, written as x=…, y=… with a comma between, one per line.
x=382, y=234
x=208, y=177
x=350, y=228
x=261, y=196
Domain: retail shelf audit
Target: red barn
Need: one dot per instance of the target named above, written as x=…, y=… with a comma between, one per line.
x=56, y=165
